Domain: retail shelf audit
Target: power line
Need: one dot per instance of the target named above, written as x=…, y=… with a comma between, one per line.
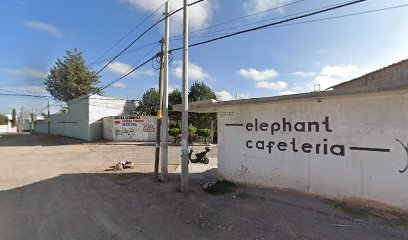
x=272, y=24
x=141, y=35
x=211, y=34
x=239, y=18
x=321, y=19
x=130, y=72
x=23, y=95
x=126, y=35
x=125, y=53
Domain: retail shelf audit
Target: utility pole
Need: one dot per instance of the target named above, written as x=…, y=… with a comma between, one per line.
x=159, y=115
x=184, y=110
x=20, y=121
x=165, y=120
x=49, y=118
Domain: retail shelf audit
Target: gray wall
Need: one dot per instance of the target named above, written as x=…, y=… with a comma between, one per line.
x=391, y=76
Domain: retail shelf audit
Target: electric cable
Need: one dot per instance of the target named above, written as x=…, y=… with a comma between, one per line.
x=140, y=36
x=239, y=18
x=272, y=24
x=126, y=35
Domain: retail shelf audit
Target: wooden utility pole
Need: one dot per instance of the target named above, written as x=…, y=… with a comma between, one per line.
x=159, y=115
x=184, y=110
x=165, y=120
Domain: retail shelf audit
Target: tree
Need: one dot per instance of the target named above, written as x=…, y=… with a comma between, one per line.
x=174, y=132
x=150, y=103
x=13, y=118
x=174, y=98
x=130, y=108
x=3, y=119
x=70, y=78
x=205, y=133
x=63, y=110
x=200, y=92
x=191, y=132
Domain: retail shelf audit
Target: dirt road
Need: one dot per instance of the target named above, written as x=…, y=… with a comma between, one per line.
x=57, y=189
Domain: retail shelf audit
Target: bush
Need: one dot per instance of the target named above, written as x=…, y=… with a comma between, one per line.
x=174, y=132
x=175, y=125
x=191, y=133
x=205, y=132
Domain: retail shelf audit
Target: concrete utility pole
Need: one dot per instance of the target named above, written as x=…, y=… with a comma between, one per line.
x=159, y=115
x=184, y=110
x=165, y=120
x=49, y=118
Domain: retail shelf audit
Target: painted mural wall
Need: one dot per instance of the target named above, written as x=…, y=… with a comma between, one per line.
x=128, y=128
x=340, y=148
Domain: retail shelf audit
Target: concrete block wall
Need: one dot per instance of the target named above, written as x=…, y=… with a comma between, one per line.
x=343, y=147
x=391, y=76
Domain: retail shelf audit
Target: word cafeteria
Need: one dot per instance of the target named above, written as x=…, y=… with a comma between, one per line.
x=293, y=145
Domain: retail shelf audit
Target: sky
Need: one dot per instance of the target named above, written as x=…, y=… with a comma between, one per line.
x=288, y=59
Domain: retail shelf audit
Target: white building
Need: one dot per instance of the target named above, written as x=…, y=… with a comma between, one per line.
x=8, y=128
x=84, y=117
x=350, y=143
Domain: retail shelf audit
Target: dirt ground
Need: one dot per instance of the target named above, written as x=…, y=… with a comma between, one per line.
x=56, y=188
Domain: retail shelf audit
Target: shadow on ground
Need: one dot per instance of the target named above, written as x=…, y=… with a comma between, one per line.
x=135, y=206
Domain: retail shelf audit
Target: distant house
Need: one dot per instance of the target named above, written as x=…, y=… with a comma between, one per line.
x=6, y=128
x=391, y=76
x=84, y=117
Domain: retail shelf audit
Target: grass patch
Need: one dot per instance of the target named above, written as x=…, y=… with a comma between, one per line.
x=355, y=211
x=220, y=187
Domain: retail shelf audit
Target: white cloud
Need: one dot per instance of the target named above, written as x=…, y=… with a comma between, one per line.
x=332, y=75
x=149, y=73
x=287, y=93
x=256, y=75
x=224, y=96
x=45, y=27
x=279, y=85
x=34, y=89
x=195, y=72
x=254, y=6
x=304, y=74
x=26, y=72
x=172, y=87
x=119, y=85
x=199, y=17
x=120, y=68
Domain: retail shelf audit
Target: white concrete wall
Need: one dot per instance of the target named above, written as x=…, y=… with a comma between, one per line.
x=370, y=122
x=83, y=119
x=7, y=128
x=124, y=128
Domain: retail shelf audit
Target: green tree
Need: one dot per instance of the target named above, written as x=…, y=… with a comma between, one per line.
x=130, y=108
x=14, y=118
x=63, y=110
x=3, y=119
x=149, y=104
x=70, y=78
x=174, y=132
x=200, y=92
x=174, y=98
x=205, y=132
x=191, y=132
